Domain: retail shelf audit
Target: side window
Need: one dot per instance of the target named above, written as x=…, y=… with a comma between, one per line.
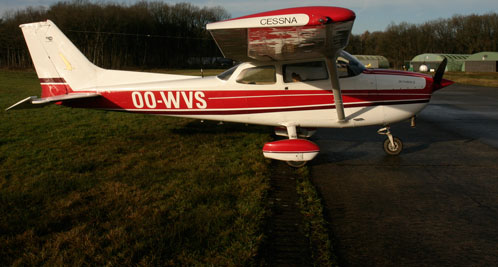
x=306, y=71
x=258, y=75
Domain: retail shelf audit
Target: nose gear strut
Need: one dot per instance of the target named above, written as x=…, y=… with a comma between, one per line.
x=392, y=145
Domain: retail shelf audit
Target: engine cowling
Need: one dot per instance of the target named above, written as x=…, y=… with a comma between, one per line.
x=291, y=150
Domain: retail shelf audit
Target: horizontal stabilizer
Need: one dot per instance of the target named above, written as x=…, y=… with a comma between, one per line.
x=35, y=102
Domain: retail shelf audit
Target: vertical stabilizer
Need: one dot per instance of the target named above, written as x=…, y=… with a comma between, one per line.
x=60, y=66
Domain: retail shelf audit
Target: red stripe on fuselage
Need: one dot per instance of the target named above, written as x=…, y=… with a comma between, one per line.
x=239, y=102
x=259, y=111
x=396, y=73
x=237, y=99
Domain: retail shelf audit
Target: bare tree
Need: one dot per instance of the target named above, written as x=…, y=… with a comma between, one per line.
x=142, y=35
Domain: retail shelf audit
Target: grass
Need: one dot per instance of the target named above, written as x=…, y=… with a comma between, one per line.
x=489, y=79
x=83, y=187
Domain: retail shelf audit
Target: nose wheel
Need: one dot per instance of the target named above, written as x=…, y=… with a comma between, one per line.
x=393, y=148
x=392, y=145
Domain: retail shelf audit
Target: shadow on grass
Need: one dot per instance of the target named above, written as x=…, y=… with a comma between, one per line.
x=214, y=127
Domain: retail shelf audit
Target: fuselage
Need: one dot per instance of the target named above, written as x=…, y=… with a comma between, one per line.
x=266, y=93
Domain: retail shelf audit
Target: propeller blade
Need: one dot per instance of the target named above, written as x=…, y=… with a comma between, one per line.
x=438, y=76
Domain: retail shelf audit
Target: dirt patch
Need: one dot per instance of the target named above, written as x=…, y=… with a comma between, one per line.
x=286, y=244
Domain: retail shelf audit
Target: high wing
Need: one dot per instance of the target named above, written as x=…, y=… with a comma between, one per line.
x=288, y=34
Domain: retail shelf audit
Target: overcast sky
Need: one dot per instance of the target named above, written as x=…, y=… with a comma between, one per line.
x=371, y=15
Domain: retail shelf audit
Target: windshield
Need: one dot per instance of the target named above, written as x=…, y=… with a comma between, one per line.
x=348, y=65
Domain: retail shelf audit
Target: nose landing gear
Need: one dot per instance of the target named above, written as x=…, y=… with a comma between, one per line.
x=392, y=145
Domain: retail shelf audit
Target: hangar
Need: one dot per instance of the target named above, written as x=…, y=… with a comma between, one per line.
x=482, y=62
x=373, y=61
x=432, y=61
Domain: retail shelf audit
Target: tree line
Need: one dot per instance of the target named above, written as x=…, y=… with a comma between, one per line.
x=457, y=35
x=160, y=35
x=111, y=35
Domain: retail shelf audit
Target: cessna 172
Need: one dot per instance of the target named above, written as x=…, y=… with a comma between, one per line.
x=295, y=76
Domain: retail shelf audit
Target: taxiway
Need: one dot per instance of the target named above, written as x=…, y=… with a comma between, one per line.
x=435, y=204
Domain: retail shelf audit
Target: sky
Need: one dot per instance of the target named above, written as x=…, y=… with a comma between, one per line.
x=371, y=15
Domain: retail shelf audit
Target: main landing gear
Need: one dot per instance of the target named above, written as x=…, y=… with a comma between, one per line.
x=296, y=164
x=295, y=151
x=392, y=145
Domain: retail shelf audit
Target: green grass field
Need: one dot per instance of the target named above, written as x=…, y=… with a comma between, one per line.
x=488, y=79
x=84, y=187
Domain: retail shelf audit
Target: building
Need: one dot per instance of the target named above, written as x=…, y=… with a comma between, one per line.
x=430, y=62
x=482, y=62
x=375, y=62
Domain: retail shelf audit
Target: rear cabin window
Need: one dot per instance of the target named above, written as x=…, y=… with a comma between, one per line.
x=306, y=71
x=258, y=75
x=227, y=74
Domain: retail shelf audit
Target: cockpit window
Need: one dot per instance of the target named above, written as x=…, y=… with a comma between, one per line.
x=258, y=75
x=348, y=66
x=305, y=71
x=227, y=74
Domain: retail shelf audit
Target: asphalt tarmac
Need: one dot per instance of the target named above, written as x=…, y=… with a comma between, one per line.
x=436, y=204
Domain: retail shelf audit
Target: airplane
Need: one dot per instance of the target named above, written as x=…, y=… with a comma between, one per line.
x=294, y=76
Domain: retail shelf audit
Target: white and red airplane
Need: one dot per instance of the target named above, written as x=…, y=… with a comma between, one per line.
x=295, y=76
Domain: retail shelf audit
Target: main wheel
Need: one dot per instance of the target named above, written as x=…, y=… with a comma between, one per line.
x=393, y=149
x=296, y=164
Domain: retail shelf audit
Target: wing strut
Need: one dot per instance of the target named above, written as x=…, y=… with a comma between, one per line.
x=336, y=87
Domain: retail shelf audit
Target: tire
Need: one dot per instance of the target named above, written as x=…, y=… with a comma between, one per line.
x=296, y=164
x=393, y=151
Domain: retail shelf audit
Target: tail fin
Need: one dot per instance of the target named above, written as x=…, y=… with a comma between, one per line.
x=66, y=74
x=60, y=66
